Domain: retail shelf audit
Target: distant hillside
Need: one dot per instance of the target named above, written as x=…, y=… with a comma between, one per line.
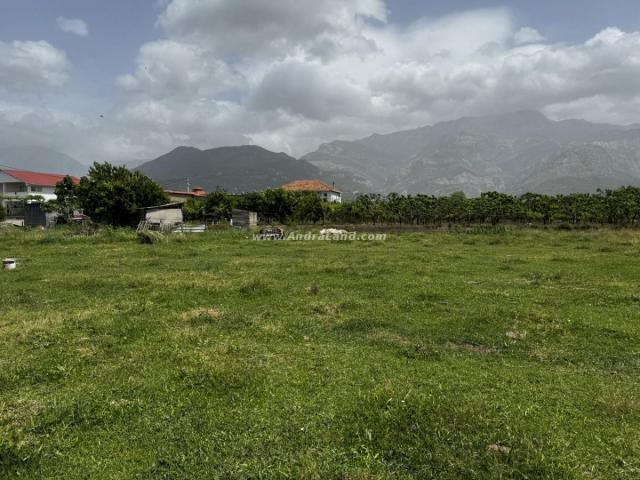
x=512, y=153
x=41, y=159
x=235, y=169
x=130, y=164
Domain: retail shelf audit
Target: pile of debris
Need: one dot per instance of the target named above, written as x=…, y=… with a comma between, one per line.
x=270, y=233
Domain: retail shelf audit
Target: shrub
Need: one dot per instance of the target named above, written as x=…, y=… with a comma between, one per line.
x=150, y=237
x=194, y=210
x=3, y=213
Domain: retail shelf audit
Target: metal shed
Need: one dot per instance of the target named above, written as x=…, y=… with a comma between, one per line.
x=36, y=216
x=161, y=217
x=244, y=218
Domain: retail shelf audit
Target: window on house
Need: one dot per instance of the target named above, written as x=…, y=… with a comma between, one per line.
x=36, y=189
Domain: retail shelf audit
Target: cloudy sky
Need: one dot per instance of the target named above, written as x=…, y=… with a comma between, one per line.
x=131, y=79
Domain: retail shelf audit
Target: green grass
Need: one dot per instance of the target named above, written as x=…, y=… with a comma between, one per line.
x=215, y=356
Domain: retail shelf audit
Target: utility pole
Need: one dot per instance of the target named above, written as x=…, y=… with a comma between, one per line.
x=188, y=185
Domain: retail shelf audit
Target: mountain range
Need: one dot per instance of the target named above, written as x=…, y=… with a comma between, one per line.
x=235, y=169
x=512, y=153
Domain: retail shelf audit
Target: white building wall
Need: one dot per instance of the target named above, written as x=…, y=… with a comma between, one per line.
x=335, y=197
x=35, y=190
x=12, y=187
x=167, y=215
x=331, y=197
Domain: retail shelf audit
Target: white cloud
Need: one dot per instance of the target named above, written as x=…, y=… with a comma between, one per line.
x=28, y=66
x=75, y=26
x=527, y=35
x=443, y=37
x=305, y=90
x=168, y=67
x=607, y=37
x=256, y=27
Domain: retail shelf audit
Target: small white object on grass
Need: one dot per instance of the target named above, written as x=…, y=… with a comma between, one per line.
x=333, y=231
x=9, y=264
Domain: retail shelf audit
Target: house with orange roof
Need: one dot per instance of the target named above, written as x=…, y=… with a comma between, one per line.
x=326, y=193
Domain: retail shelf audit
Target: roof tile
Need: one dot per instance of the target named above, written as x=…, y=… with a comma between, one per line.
x=37, y=178
x=308, y=186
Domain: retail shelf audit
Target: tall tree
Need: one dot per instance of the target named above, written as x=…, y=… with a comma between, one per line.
x=114, y=195
x=66, y=202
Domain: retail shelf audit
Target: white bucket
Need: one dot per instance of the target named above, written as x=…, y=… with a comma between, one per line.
x=9, y=264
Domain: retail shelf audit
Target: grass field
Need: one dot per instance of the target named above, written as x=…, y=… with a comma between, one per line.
x=431, y=355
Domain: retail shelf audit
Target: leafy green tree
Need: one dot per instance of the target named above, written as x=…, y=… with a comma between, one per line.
x=458, y=207
x=538, y=207
x=218, y=206
x=623, y=206
x=66, y=202
x=495, y=207
x=278, y=205
x=308, y=208
x=194, y=209
x=113, y=194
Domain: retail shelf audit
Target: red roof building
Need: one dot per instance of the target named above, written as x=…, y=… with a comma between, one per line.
x=19, y=184
x=37, y=178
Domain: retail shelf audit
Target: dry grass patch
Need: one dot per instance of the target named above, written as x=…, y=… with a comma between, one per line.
x=325, y=309
x=86, y=352
x=24, y=325
x=192, y=279
x=516, y=335
x=202, y=313
x=20, y=414
x=312, y=290
x=499, y=449
x=539, y=355
x=390, y=338
x=619, y=405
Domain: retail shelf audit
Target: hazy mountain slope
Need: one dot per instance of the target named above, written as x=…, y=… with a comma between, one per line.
x=130, y=164
x=235, y=169
x=581, y=169
x=366, y=165
x=511, y=153
x=40, y=159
